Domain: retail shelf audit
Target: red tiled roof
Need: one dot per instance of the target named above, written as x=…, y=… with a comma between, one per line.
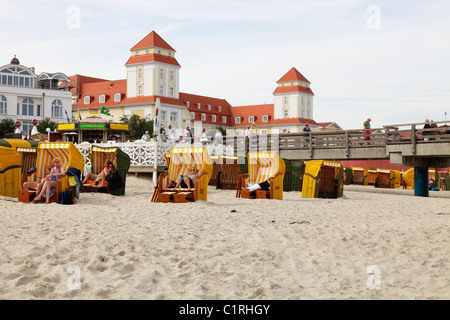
x=215, y=103
x=108, y=88
x=289, y=89
x=293, y=75
x=152, y=40
x=257, y=111
x=152, y=57
x=292, y=121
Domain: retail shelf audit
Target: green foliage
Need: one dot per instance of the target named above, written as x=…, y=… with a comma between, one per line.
x=46, y=123
x=6, y=126
x=138, y=126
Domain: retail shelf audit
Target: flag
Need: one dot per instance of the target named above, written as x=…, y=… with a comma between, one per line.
x=67, y=116
x=105, y=111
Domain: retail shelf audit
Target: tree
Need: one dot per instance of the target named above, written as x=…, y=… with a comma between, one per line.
x=138, y=126
x=46, y=123
x=6, y=126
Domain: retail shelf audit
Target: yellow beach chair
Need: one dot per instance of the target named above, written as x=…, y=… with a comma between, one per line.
x=180, y=160
x=323, y=179
x=360, y=176
x=10, y=172
x=263, y=166
x=385, y=179
x=71, y=158
x=373, y=173
x=408, y=179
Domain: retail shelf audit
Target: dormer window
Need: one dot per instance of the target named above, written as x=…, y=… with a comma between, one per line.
x=265, y=118
x=117, y=97
x=251, y=119
x=187, y=104
x=198, y=106
x=101, y=98
x=213, y=118
x=237, y=119
x=209, y=107
x=193, y=115
x=87, y=100
x=224, y=119
x=219, y=108
x=203, y=117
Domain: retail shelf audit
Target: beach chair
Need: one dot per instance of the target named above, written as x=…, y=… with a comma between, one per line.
x=71, y=158
x=261, y=167
x=408, y=179
x=373, y=173
x=397, y=179
x=385, y=179
x=293, y=175
x=121, y=161
x=323, y=179
x=436, y=177
x=360, y=176
x=348, y=176
x=216, y=167
x=181, y=159
x=447, y=181
x=27, y=150
x=10, y=172
x=228, y=173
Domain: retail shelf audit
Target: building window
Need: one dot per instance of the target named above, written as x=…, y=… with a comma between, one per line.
x=140, y=90
x=303, y=101
x=161, y=73
x=171, y=75
x=237, y=120
x=57, y=109
x=27, y=126
x=265, y=118
x=116, y=97
x=219, y=108
x=213, y=118
x=27, y=107
x=38, y=110
x=87, y=99
x=169, y=54
x=203, y=117
x=309, y=103
x=101, y=98
x=140, y=73
x=198, y=106
x=159, y=51
x=173, y=116
x=286, y=100
x=224, y=119
x=147, y=51
x=209, y=107
x=285, y=113
x=285, y=131
x=3, y=104
x=136, y=52
x=193, y=115
x=251, y=119
x=303, y=112
x=161, y=89
x=263, y=131
x=163, y=115
x=171, y=91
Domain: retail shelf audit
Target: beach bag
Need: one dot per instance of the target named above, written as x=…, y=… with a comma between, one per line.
x=66, y=197
x=114, y=181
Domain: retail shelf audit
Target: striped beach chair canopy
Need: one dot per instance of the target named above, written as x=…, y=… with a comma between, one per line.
x=263, y=166
x=69, y=154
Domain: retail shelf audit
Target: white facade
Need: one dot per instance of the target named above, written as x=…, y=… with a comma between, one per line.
x=25, y=102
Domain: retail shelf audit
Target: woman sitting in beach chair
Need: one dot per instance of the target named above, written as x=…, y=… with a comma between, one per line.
x=264, y=179
x=101, y=178
x=49, y=181
x=187, y=181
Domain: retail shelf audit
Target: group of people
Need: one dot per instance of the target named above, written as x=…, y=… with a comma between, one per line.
x=44, y=186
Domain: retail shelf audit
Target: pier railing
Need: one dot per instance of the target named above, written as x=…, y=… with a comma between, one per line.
x=149, y=156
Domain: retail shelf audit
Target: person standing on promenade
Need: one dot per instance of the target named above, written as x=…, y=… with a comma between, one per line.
x=366, y=125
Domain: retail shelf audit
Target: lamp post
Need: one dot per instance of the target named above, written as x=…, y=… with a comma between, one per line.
x=48, y=134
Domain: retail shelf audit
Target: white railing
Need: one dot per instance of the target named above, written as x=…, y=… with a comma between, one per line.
x=144, y=154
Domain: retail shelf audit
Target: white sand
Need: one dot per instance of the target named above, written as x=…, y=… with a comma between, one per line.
x=129, y=248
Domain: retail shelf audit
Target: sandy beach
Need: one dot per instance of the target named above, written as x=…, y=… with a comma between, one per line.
x=369, y=244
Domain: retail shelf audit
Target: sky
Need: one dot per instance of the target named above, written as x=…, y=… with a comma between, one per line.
x=387, y=60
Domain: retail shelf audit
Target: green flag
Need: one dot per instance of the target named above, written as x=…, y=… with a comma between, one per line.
x=105, y=111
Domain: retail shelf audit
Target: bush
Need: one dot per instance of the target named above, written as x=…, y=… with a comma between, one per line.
x=6, y=126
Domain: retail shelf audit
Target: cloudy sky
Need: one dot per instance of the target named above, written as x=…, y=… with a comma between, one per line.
x=388, y=60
